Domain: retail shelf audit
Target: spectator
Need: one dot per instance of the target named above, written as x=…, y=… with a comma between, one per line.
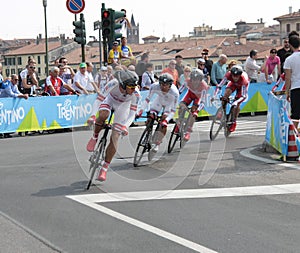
x=251, y=67
x=125, y=51
x=218, y=70
x=54, y=82
x=292, y=78
x=110, y=72
x=283, y=52
x=172, y=71
x=67, y=75
x=92, y=86
x=141, y=66
x=179, y=67
x=102, y=78
x=208, y=62
x=125, y=23
x=148, y=77
x=272, y=61
x=183, y=79
x=201, y=66
x=81, y=80
x=1, y=77
x=9, y=88
x=28, y=79
x=114, y=55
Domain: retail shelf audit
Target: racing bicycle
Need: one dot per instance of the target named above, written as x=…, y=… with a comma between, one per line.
x=222, y=120
x=147, y=140
x=179, y=129
x=97, y=157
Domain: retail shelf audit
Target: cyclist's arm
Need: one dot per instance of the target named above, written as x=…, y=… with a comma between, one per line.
x=174, y=106
x=107, y=88
x=133, y=108
x=219, y=86
x=244, y=95
x=202, y=100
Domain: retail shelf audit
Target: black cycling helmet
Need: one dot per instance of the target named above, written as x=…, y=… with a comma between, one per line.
x=236, y=70
x=196, y=75
x=126, y=78
x=166, y=78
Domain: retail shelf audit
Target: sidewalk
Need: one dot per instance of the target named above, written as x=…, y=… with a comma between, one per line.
x=17, y=239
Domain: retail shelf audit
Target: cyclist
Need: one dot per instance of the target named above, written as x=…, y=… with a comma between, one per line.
x=166, y=97
x=196, y=94
x=237, y=81
x=121, y=95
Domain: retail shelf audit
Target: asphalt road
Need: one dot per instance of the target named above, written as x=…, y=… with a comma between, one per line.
x=209, y=197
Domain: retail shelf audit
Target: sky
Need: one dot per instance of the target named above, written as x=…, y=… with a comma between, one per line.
x=25, y=18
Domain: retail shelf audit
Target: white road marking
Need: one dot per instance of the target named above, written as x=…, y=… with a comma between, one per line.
x=247, y=153
x=93, y=200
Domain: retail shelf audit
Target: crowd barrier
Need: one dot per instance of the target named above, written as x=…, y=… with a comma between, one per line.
x=278, y=125
x=44, y=113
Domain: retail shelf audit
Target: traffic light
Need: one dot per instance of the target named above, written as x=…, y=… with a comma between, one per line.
x=79, y=31
x=117, y=26
x=107, y=24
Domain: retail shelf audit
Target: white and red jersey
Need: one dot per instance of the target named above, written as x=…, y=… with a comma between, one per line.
x=241, y=86
x=196, y=94
x=56, y=82
x=124, y=105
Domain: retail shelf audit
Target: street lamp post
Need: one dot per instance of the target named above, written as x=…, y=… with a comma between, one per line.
x=46, y=37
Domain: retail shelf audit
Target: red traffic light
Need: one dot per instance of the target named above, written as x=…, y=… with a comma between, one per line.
x=105, y=14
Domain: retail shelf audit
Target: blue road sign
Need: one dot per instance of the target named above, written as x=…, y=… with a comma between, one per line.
x=75, y=6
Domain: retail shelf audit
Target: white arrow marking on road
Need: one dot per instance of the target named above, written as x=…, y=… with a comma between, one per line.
x=91, y=200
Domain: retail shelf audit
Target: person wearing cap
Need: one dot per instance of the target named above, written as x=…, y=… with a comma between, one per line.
x=201, y=66
x=272, y=61
x=208, y=62
x=114, y=55
x=81, y=79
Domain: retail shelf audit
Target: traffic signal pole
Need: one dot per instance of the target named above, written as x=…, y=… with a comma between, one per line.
x=80, y=35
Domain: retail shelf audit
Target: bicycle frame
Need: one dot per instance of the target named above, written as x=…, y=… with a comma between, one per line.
x=97, y=156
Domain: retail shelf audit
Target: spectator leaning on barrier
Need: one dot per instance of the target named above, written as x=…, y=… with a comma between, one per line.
x=218, y=70
x=251, y=67
x=292, y=78
x=54, y=83
x=272, y=61
x=28, y=79
x=67, y=75
x=201, y=66
x=81, y=80
x=9, y=88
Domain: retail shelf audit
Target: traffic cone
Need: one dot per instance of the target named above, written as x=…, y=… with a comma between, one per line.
x=293, y=154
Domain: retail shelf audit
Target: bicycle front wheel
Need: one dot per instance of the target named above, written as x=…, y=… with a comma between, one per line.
x=217, y=124
x=95, y=161
x=173, y=138
x=142, y=147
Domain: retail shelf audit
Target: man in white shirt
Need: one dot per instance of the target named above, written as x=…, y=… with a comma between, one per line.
x=82, y=79
x=251, y=66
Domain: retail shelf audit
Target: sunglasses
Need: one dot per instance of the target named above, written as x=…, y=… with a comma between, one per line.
x=201, y=64
x=32, y=67
x=131, y=87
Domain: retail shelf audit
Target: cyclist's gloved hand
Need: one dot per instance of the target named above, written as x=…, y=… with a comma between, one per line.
x=139, y=114
x=164, y=123
x=234, y=103
x=124, y=131
x=195, y=113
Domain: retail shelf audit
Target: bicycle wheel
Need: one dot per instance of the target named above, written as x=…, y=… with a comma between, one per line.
x=173, y=139
x=217, y=124
x=229, y=122
x=142, y=147
x=95, y=160
x=183, y=128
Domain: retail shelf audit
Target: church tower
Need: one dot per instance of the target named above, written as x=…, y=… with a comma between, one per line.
x=133, y=33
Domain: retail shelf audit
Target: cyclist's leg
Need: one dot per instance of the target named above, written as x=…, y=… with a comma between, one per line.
x=191, y=120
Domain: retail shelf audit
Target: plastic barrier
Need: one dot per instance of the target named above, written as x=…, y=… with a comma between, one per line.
x=43, y=113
